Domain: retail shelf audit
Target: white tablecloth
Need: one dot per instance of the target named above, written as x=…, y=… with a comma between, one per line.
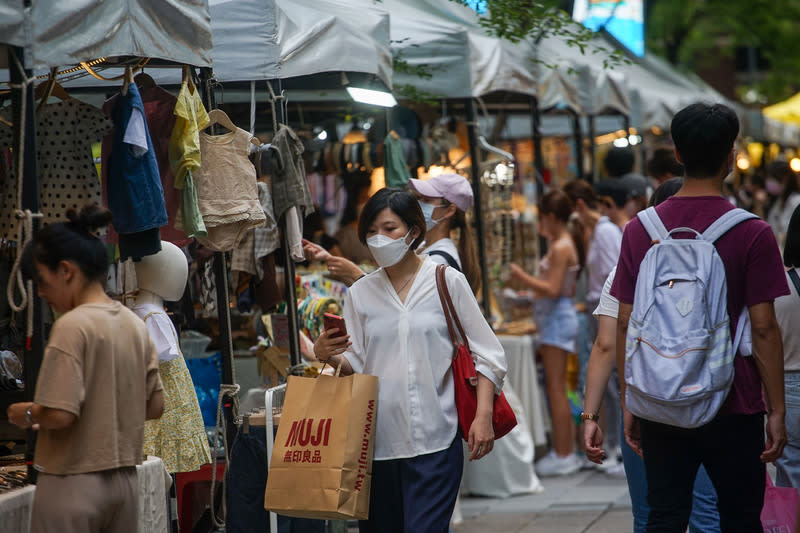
x=524, y=381
x=508, y=469
x=154, y=482
x=15, y=510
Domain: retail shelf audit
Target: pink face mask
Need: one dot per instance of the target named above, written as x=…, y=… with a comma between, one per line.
x=774, y=187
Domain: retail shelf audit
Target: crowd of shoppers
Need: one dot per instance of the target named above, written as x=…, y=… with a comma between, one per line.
x=100, y=369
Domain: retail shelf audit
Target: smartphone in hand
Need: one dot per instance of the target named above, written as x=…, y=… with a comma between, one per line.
x=332, y=321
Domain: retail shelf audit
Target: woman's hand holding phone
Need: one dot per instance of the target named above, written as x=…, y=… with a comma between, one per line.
x=333, y=340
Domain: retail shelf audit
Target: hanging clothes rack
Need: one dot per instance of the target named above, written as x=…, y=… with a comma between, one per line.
x=278, y=103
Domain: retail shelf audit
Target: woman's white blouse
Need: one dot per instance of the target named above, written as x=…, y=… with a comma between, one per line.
x=407, y=346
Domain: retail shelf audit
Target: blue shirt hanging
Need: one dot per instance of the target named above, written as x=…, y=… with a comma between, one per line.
x=135, y=195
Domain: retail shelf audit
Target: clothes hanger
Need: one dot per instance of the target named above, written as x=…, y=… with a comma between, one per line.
x=51, y=87
x=218, y=116
x=128, y=79
x=144, y=81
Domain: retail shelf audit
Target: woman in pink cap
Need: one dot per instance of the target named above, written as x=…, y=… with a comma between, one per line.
x=444, y=200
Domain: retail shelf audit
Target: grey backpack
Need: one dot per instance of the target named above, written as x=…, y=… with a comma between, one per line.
x=679, y=352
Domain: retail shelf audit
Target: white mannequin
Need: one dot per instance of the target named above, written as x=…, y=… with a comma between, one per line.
x=162, y=276
x=178, y=437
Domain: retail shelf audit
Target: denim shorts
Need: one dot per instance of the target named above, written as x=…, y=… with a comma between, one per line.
x=556, y=322
x=788, y=464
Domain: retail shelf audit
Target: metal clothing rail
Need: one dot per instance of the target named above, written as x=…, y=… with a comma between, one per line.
x=278, y=104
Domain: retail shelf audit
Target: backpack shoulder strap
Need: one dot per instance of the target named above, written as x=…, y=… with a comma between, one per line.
x=447, y=257
x=725, y=223
x=652, y=224
x=795, y=280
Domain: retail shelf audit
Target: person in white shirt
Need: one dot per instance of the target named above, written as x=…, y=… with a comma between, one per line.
x=398, y=332
x=445, y=200
x=783, y=182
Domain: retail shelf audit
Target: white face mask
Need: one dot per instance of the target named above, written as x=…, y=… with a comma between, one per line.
x=427, y=212
x=387, y=251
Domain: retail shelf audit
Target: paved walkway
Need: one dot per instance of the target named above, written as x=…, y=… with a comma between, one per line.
x=586, y=502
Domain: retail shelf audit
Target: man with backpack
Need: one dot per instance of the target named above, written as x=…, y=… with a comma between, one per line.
x=690, y=273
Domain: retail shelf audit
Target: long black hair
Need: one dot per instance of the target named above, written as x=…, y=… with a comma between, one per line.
x=72, y=241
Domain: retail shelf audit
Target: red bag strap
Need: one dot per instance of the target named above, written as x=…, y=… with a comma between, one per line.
x=441, y=286
x=449, y=309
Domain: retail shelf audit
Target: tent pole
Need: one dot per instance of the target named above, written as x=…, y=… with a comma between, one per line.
x=476, y=192
x=290, y=289
x=30, y=200
x=593, y=148
x=536, y=127
x=578, y=137
x=221, y=282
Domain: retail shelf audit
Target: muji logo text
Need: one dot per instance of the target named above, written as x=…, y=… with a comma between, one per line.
x=309, y=431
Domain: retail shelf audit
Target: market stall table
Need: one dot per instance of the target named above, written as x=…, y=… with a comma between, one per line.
x=15, y=509
x=16, y=506
x=524, y=380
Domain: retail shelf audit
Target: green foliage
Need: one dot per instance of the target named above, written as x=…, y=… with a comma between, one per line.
x=696, y=33
x=516, y=21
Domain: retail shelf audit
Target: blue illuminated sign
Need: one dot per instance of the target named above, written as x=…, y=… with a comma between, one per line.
x=624, y=19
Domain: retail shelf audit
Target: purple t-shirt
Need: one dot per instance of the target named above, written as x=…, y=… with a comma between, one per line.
x=753, y=269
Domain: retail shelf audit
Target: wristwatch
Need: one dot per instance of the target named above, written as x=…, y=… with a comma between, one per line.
x=590, y=416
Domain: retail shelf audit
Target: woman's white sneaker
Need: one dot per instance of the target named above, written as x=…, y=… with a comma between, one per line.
x=555, y=465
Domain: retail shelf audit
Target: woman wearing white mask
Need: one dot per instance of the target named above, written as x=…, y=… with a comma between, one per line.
x=444, y=200
x=398, y=332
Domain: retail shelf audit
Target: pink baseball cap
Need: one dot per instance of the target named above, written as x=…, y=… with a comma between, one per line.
x=454, y=188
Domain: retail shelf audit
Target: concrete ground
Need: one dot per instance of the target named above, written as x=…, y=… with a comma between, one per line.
x=586, y=502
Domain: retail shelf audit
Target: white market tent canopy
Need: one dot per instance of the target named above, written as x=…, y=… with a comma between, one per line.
x=599, y=90
x=333, y=36
x=446, y=39
x=66, y=33
x=12, y=23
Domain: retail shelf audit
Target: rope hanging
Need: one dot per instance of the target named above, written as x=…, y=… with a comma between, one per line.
x=25, y=218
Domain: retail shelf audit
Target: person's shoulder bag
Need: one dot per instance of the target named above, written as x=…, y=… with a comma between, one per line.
x=465, y=375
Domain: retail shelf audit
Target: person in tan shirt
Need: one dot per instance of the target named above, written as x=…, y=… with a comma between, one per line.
x=98, y=383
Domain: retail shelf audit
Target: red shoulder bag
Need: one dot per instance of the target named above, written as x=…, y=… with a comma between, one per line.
x=465, y=375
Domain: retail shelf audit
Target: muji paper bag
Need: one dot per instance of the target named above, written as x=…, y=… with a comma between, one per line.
x=322, y=460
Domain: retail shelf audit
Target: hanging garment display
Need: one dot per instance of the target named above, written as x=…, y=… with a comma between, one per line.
x=179, y=436
x=135, y=194
x=227, y=194
x=294, y=234
x=289, y=187
x=394, y=163
x=258, y=243
x=185, y=157
x=65, y=131
x=159, y=109
x=266, y=236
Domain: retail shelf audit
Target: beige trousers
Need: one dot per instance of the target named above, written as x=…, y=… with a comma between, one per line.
x=104, y=501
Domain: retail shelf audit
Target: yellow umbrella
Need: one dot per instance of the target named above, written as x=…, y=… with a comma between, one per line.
x=786, y=111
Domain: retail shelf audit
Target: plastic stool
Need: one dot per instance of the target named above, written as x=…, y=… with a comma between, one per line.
x=183, y=482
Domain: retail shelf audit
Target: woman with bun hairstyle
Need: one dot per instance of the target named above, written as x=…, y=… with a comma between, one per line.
x=97, y=385
x=397, y=331
x=557, y=321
